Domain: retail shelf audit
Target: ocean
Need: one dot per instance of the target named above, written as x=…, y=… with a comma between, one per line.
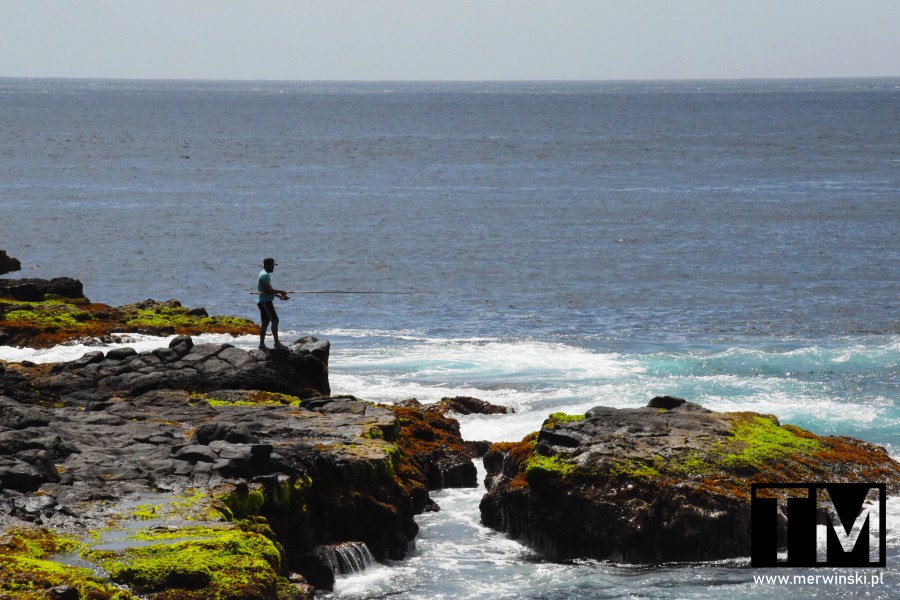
x=548, y=246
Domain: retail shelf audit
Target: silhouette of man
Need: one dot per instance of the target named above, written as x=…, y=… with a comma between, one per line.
x=267, y=295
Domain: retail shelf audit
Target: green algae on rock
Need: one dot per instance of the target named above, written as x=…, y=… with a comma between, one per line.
x=28, y=571
x=658, y=484
x=196, y=562
x=561, y=417
x=245, y=398
x=189, y=546
x=56, y=320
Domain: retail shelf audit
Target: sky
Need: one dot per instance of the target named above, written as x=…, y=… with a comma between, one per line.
x=372, y=40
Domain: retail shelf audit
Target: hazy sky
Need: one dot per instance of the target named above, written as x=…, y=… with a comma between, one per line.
x=449, y=40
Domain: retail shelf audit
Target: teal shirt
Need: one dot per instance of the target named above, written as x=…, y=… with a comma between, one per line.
x=264, y=278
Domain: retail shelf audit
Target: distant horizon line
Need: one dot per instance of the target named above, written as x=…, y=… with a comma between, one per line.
x=424, y=81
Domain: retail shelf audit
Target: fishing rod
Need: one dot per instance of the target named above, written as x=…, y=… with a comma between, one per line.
x=350, y=292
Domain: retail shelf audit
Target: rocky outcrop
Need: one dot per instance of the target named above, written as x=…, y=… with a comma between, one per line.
x=8, y=263
x=36, y=290
x=42, y=313
x=196, y=470
x=466, y=405
x=307, y=474
x=668, y=482
x=433, y=453
x=301, y=371
x=253, y=433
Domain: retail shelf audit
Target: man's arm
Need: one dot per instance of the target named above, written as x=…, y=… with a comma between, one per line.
x=267, y=288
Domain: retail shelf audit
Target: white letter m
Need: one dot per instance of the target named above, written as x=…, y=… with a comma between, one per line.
x=827, y=514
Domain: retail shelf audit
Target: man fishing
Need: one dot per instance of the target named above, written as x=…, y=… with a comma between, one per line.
x=267, y=295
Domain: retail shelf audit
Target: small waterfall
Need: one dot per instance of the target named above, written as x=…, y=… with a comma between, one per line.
x=346, y=558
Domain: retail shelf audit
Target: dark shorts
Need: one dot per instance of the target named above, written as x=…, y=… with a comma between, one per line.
x=267, y=312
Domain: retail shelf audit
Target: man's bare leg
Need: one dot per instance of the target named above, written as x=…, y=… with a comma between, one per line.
x=262, y=336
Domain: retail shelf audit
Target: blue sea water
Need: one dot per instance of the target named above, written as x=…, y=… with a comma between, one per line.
x=559, y=246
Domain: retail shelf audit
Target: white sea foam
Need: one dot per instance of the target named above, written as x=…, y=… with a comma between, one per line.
x=400, y=334
x=531, y=378
x=814, y=387
x=140, y=342
x=487, y=361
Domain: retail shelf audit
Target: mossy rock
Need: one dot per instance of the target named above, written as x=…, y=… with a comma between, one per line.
x=192, y=546
x=27, y=570
x=245, y=398
x=560, y=417
x=57, y=320
x=725, y=449
x=197, y=563
x=650, y=485
x=172, y=318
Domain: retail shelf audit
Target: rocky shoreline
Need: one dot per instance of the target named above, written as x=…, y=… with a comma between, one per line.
x=207, y=471
x=196, y=470
x=251, y=439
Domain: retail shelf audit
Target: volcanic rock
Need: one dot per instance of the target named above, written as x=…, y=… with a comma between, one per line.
x=466, y=405
x=35, y=290
x=655, y=484
x=253, y=430
x=300, y=371
x=8, y=263
x=436, y=455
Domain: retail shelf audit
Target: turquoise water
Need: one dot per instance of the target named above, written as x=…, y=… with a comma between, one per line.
x=846, y=388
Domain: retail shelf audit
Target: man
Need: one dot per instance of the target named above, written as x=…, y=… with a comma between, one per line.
x=267, y=295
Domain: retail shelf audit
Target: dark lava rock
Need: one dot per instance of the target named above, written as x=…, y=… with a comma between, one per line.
x=35, y=290
x=78, y=439
x=666, y=402
x=302, y=371
x=121, y=353
x=8, y=263
x=653, y=485
x=465, y=405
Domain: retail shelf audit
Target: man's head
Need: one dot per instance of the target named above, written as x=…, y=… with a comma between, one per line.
x=269, y=265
